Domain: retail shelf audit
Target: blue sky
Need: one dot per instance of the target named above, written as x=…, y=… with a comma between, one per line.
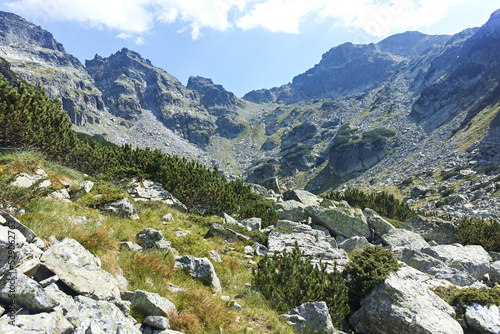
x=241, y=44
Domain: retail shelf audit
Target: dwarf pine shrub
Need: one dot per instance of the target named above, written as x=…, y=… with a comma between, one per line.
x=366, y=270
x=288, y=280
x=475, y=231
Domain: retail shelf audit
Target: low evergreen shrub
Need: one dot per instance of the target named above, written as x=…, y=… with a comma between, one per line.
x=366, y=270
x=475, y=231
x=288, y=280
x=461, y=298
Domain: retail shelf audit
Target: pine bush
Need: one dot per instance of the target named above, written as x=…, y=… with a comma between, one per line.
x=475, y=231
x=366, y=270
x=288, y=280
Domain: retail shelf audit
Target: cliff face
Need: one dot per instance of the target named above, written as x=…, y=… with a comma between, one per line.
x=37, y=58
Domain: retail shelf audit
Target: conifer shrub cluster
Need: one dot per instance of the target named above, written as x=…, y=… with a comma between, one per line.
x=30, y=120
x=288, y=280
x=382, y=202
x=461, y=298
x=367, y=269
x=475, y=231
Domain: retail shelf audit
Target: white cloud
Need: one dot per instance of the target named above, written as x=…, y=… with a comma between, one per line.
x=133, y=18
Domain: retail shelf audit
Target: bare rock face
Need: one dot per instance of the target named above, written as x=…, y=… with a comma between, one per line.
x=34, y=53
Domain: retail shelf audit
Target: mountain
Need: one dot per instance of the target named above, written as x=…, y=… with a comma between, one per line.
x=402, y=114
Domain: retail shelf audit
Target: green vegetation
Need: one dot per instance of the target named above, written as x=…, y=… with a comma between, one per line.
x=475, y=231
x=288, y=280
x=461, y=298
x=366, y=270
x=382, y=202
x=30, y=120
x=345, y=140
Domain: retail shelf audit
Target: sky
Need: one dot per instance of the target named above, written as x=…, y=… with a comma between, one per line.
x=241, y=44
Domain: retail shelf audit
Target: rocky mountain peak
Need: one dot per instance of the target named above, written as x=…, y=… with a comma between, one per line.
x=214, y=97
x=14, y=30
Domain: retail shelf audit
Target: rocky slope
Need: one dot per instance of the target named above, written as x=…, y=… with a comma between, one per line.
x=436, y=95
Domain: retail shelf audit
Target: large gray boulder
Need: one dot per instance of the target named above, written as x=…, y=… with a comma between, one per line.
x=99, y=316
x=80, y=270
x=435, y=267
x=379, y=225
x=399, y=238
x=310, y=318
x=47, y=322
x=313, y=244
x=342, y=220
x=354, y=244
x=484, y=319
x=432, y=228
x=302, y=196
x=149, y=303
x=148, y=190
x=8, y=220
x=291, y=210
x=27, y=292
x=402, y=304
x=122, y=208
x=150, y=239
x=472, y=258
x=494, y=272
x=251, y=224
x=199, y=268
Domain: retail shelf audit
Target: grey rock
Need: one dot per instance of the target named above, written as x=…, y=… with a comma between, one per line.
x=309, y=318
x=122, y=208
x=99, y=316
x=237, y=307
x=403, y=238
x=291, y=210
x=321, y=228
x=474, y=259
x=225, y=298
x=252, y=224
x=157, y=322
x=432, y=228
x=13, y=244
x=80, y=270
x=24, y=180
x=229, y=220
x=38, y=243
x=129, y=245
x=344, y=221
x=48, y=281
x=402, y=304
x=419, y=191
x=150, y=238
x=495, y=256
x=61, y=194
x=435, y=267
x=29, y=267
x=53, y=322
x=174, y=288
x=28, y=293
x=484, y=319
x=13, y=222
x=199, y=268
x=167, y=331
x=153, y=191
x=168, y=217
x=86, y=186
x=494, y=272
x=296, y=227
x=379, y=225
x=149, y=303
x=225, y=233
x=215, y=256
x=302, y=196
x=354, y=243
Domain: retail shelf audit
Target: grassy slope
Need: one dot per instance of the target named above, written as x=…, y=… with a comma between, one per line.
x=200, y=310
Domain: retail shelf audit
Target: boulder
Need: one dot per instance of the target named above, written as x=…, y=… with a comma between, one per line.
x=28, y=293
x=53, y=322
x=225, y=233
x=150, y=238
x=313, y=244
x=80, y=270
x=354, y=243
x=432, y=229
x=149, y=303
x=379, y=225
x=472, y=258
x=435, y=267
x=61, y=194
x=342, y=220
x=122, y=208
x=148, y=190
x=199, y=268
x=24, y=180
x=494, y=272
x=399, y=238
x=402, y=304
x=215, y=256
x=99, y=316
x=302, y=196
x=13, y=244
x=157, y=322
x=13, y=223
x=251, y=224
x=291, y=210
x=309, y=318
x=86, y=186
x=484, y=319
